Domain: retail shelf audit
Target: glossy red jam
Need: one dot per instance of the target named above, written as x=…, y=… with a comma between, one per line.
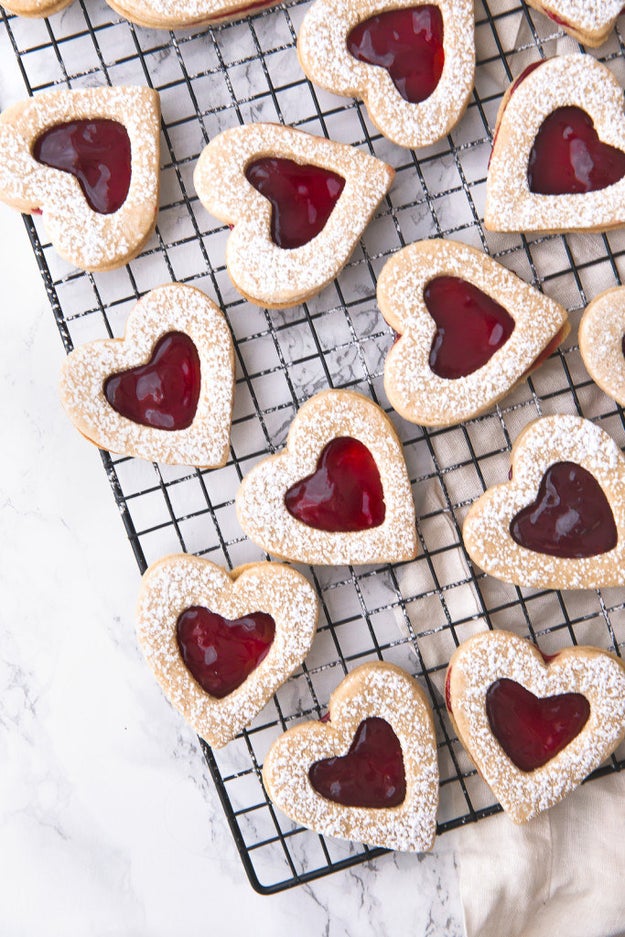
x=448, y=691
x=164, y=392
x=408, y=43
x=343, y=494
x=470, y=326
x=371, y=774
x=302, y=197
x=220, y=653
x=530, y=730
x=97, y=152
x=568, y=157
x=570, y=518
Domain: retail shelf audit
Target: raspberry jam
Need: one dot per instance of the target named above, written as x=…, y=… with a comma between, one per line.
x=164, y=392
x=97, y=152
x=567, y=156
x=471, y=326
x=302, y=197
x=530, y=730
x=408, y=43
x=570, y=518
x=371, y=774
x=343, y=494
x=219, y=653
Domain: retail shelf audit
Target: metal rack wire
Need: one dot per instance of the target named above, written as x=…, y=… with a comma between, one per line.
x=413, y=614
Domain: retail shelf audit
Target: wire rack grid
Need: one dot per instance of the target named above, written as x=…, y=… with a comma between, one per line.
x=413, y=614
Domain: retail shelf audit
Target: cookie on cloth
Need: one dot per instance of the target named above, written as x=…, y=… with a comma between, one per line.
x=602, y=342
x=588, y=21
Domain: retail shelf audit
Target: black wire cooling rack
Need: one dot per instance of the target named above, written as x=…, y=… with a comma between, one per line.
x=413, y=614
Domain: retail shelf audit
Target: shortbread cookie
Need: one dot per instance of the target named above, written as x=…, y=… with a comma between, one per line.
x=177, y=14
x=369, y=774
x=469, y=331
x=338, y=494
x=163, y=392
x=559, y=523
x=220, y=644
x=411, y=62
x=89, y=161
x=35, y=8
x=558, y=160
x=298, y=204
x=534, y=727
x=602, y=342
x=588, y=21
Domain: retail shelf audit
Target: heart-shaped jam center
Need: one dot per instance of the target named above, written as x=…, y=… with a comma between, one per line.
x=470, y=326
x=164, y=392
x=97, y=152
x=371, y=774
x=530, y=730
x=220, y=653
x=570, y=518
x=568, y=157
x=408, y=43
x=343, y=494
x=302, y=197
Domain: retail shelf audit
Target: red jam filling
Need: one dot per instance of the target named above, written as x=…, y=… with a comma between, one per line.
x=219, y=653
x=302, y=197
x=470, y=326
x=371, y=774
x=408, y=43
x=530, y=730
x=568, y=157
x=97, y=152
x=343, y=494
x=448, y=691
x=164, y=392
x=570, y=518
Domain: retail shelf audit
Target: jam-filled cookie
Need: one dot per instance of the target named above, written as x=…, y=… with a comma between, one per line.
x=469, y=330
x=588, y=21
x=370, y=773
x=88, y=160
x=35, y=8
x=163, y=392
x=559, y=523
x=298, y=205
x=177, y=14
x=602, y=342
x=338, y=494
x=558, y=160
x=411, y=62
x=220, y=644
x=535, y=727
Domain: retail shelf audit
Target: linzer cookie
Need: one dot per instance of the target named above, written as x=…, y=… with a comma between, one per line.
x=558, y=160
x=339, y=492
x=220, y=644
x=35, y=7
x=163, y=392
x=172, y=14
x=588, y=21
x=369, y=774
x=412, y=63
x=602, y=342
x=88, y=160
x=560, y=522
x=469, y=331
x=535, y=728
x=298, y=204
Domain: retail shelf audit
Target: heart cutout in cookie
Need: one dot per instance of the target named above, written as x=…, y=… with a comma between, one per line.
x=535, y=729
x=220, y=644
x=602, y=342
x=384, y=791
x=590, y=21
x=412, y=63
x=163, y=392
x=284, y=497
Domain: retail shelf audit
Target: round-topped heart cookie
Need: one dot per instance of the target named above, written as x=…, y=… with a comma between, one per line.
x=535, y=728
x=369, y=773
x=588, y=21
x=602, y=342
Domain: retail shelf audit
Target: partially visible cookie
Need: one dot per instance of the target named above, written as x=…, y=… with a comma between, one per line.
x=602, y=342
x=588, y=21
x=177, y=14
x=35, y=8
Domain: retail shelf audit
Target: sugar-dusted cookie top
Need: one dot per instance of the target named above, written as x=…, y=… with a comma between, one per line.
x=172, y=14
x=601, y=338
x=588, y=21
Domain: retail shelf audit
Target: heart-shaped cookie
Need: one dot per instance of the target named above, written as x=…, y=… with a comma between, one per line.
x=588, y=21
x=163, y=392
x=242, y=634
x=248, y=176
x=560, y=522
x=558, y=160
x=602, y=342
x=379, y=747
x=411, y=62
x=469, y=329
x=52, y=144
x=177, y=14
x=338, y=494
x=534, y=729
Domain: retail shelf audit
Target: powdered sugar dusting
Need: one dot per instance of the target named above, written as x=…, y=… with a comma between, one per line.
x=588, y=20
x=162, y=14
x=601, y=334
